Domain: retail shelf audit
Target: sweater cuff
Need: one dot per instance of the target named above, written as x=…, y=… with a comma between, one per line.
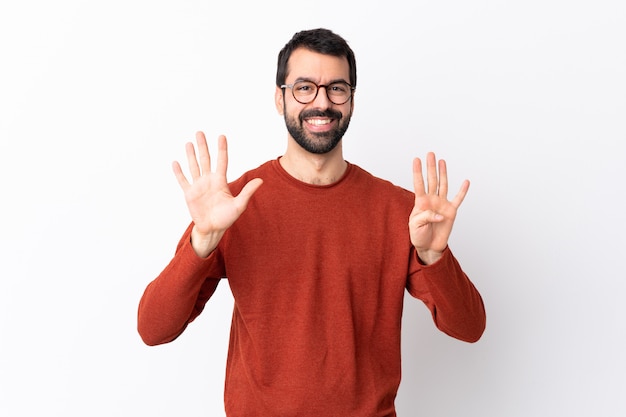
x=437, y=265
x=190, y=258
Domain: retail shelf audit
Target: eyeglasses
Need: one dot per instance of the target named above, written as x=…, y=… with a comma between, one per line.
x=306, y=91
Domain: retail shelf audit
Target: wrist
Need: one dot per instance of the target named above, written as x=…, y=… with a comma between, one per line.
x=204, y=243
x=428, y=257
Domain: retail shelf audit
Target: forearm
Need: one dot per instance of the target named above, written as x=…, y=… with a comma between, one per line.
x=455, y=303
x=176, y=296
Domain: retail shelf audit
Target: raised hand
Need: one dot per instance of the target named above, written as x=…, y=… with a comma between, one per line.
x=431, y=220
x=211, y=205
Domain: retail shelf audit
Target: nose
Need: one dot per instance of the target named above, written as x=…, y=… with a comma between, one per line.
x=321, y=100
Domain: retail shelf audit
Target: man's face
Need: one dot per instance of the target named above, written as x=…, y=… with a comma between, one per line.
x=317, y=126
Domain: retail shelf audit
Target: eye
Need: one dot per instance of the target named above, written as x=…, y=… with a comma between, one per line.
x=339, y=88
x=304, y=87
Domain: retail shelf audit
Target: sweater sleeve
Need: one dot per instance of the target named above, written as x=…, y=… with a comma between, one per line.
x=455, y=304
x=178, y=295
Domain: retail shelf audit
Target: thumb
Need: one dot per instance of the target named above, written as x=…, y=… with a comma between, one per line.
x=247, y=191
x=425, y=217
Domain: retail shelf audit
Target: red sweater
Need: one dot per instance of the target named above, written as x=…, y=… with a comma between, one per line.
x=318, y=275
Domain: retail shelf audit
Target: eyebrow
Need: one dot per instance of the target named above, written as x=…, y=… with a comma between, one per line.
x=337, y=80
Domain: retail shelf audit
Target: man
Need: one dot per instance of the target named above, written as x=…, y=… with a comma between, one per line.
x=318, y=254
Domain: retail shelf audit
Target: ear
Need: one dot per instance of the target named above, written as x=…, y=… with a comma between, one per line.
x=279, y=100
x=352, y=102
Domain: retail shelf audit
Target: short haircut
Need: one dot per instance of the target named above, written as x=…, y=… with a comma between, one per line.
x=322, y=41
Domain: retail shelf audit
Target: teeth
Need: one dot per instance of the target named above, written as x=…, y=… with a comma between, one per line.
x=318, y=122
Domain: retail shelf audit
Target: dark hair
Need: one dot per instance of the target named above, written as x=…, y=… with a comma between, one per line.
x=320, y=40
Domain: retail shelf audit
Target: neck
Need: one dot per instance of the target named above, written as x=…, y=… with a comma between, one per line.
x=313, y=168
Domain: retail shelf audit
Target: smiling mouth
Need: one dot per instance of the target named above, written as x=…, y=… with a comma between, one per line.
x=318, y=122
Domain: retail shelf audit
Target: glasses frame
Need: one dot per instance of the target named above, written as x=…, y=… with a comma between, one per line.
x=317, y=90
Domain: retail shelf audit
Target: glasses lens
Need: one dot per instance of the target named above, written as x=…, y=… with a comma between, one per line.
x=304, y=91
x=338, y=93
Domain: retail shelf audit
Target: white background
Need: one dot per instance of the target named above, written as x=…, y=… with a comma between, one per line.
x=527, y=99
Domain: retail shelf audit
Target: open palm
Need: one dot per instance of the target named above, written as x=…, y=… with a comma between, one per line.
x=212, y=206
x=432, y=217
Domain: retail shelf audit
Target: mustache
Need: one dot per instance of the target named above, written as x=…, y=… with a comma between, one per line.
x=331, y=114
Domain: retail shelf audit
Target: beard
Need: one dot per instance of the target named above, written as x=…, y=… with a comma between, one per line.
x=317, y=143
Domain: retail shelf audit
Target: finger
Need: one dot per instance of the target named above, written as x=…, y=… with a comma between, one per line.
x=431, y=173
x=460, y=196
x=418, y=178
x=246, y=192
x=425, y=217
x=203, y=153
x=180, y=177
x=443, y=179
x=222, y=155
x=194, y=169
